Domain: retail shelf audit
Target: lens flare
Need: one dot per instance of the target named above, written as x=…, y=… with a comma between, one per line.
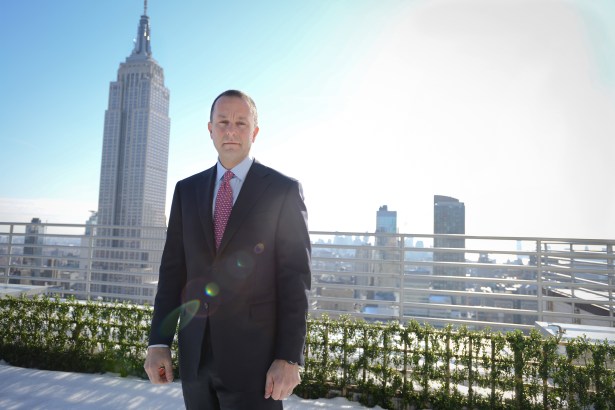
x=259, y=248
x=187, y=311
x=244, y=260
x=191, y=308
x=212, y=289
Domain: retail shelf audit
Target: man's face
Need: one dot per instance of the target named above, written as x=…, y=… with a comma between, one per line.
x=232, y=130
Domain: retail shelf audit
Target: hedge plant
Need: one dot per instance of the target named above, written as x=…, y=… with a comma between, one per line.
x=395, y=366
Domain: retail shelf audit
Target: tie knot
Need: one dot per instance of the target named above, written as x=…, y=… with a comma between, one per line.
x=228, y=175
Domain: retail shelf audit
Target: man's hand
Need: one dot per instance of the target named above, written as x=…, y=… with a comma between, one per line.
x=158, y=365
x=282, y=378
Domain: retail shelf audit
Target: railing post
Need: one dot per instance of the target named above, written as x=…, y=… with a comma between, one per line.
x=88, y=273
x=573, y=285
x=9, y=254
x=404, y=388
x=426, y=367
x=402, y=257
x=470, y=372
x=610, y=274
x=492, y=378
x=539, y=280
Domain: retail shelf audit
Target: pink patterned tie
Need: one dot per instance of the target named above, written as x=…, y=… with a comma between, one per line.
x=224, y=204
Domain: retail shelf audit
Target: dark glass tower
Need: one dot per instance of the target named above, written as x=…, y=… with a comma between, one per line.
x=386, y=221
x=449, y=218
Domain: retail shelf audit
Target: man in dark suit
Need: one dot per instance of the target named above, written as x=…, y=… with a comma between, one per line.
x=238, y=286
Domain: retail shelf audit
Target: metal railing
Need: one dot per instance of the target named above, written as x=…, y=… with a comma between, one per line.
x=85, y=261
x=477, y=281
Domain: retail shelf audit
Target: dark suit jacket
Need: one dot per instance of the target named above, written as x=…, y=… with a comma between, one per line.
x=253, y=291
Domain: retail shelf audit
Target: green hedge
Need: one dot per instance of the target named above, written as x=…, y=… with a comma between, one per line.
x=51, y=334
x=394, y=366
x=417, y=366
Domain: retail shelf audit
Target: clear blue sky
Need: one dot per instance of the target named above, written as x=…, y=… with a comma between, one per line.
x=507, y=105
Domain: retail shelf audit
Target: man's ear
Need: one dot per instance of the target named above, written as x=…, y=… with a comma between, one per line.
x=256, y=129
x=209, y=128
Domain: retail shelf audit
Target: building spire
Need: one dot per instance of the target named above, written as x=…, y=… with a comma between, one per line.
x=142, y=47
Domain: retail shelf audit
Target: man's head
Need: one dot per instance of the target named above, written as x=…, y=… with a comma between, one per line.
x=237, y=94
x=233, y=126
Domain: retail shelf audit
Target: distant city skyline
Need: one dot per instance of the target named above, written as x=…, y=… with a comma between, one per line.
x=506, y=105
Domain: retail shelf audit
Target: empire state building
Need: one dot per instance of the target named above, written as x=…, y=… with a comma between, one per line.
x=133, y=174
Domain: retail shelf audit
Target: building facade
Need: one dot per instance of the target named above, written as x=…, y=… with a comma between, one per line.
x=33, y=252
x=386, y=221
x=386, y=271
x=449, y=218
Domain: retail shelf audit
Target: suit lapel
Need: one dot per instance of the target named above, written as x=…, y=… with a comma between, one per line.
x=255, y=184
x=205, y=192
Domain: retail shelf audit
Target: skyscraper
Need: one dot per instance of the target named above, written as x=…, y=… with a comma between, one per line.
x=33, y=250
x=387, y=248
x=449, y=218
x=133, y=172
x=386, y=221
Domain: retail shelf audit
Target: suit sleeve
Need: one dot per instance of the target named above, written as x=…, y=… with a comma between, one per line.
x=171, y=280
x=293, y=276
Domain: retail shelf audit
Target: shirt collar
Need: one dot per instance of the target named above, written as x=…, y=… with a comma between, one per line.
x=240, y=170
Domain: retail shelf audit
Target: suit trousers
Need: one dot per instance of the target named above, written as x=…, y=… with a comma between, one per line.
x=208, y=392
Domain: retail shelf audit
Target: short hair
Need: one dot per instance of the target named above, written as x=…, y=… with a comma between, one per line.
x=236, y=94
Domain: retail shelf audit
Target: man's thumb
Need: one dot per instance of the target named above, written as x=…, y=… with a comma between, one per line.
x=268, y=386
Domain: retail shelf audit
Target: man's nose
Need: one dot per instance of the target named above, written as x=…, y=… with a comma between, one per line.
x=231, y=130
